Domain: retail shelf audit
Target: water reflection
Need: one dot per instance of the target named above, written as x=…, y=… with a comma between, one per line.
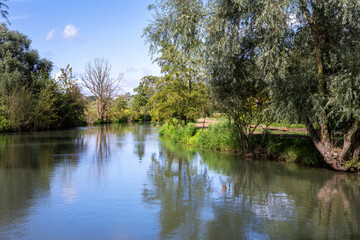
x=140, y=134
x=179, y=190
x=212, y=196
x=27, y=162
x=102, y=147
x=336, y=200
x=105, y=182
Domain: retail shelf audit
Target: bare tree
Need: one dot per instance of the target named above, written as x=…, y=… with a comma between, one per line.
x=97, y=78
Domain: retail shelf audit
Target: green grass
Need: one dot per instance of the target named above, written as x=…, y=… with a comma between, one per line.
x=295, y=150
x=293, y=133
x=288, y=125
x=289, y=148
x=217, y=136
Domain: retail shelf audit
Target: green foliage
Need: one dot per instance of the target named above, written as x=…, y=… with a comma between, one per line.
x=296, y=150
x=217, y=136
x=71, y=103
x=221, y=137
x=18, y=109
x=182, y=134
x=287, y=125
x=44, y=111
x=91, y=112
x=180, y=93
x=139, y=101
x=30, y=98
x=20, y=65
x=353, y=165
x=293, y=61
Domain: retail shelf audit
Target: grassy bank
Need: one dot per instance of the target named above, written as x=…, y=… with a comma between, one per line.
x=295, y=149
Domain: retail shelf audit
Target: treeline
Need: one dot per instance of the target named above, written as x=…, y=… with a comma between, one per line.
x=30, y=99
x=264, y=61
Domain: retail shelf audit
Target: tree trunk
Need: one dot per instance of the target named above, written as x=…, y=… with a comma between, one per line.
x=337, y=158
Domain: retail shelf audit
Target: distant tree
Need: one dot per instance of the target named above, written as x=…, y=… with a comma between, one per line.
x=71, y=105
x=97, y=79
x=20, y=66
x=26, y=89
x=143, y=92
x=180, y=93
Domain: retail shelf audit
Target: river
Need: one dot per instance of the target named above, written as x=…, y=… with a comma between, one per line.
x=123, y=182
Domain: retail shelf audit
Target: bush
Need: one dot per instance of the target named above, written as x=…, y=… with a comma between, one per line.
x=296, y=150
x=222, y=137
x=217, y=136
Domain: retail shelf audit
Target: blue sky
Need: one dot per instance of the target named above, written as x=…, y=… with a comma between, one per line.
x=78, y=31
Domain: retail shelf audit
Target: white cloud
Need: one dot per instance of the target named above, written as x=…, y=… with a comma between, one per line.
x=71, y=32
x=51, y=35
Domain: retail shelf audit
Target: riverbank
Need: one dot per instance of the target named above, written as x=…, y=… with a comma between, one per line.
x=289, y=148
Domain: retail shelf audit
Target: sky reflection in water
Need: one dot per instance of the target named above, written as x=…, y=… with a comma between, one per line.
x=123, y=182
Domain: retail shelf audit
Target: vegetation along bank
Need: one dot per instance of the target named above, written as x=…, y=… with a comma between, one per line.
x=221, y=137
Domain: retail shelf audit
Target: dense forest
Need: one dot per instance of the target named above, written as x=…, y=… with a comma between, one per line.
x=255, y=62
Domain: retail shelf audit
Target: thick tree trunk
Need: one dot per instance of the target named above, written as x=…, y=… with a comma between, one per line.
x=335, y=157
x=326, y=149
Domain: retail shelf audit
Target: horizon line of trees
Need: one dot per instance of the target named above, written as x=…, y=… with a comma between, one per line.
x=32, y=99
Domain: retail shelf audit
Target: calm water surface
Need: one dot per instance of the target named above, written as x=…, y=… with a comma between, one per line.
x=123, y=182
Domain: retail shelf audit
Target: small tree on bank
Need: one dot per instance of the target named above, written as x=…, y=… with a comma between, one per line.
x=97, y=78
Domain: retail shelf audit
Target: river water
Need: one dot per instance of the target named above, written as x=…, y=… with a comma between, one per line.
x=123, y=182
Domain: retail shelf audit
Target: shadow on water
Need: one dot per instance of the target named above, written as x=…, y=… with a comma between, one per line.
x=203, y=194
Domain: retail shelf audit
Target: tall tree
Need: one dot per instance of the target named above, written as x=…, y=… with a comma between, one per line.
x=208, y=36
x=309, y=54
x=143, y=92
x=180, y=93
x=19, y=64
x=97, y=79
x=71, y=102
x=305, y=53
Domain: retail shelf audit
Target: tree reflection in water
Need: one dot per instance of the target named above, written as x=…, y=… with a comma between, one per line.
x=27, y=163
x=336, y=200
x=220, y=196
x=179, y=189
x=102, y=147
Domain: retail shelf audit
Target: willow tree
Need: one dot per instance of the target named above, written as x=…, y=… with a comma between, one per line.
x=309, y=55
x=304, y=53
x=209, y=34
